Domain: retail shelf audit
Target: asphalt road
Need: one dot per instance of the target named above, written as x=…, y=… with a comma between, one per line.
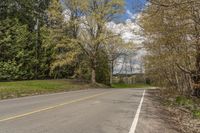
x=87, y=111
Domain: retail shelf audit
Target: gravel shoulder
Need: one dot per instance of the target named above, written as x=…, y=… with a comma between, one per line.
x=154, y=117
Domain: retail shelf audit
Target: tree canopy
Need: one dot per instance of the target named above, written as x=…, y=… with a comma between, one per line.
x=42, y=39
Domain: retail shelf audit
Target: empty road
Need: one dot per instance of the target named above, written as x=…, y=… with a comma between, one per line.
x=86, y=111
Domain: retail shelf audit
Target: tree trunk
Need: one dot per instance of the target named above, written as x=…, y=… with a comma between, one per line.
x=197, y=77
x=93, y=69
x=111, y=72
x=36, y=46
x=198, y=61
x=93, y=76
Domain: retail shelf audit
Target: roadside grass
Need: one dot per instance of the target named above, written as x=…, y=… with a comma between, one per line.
x=196, y=113
x=36, y=87
x=192, y=105
x=184, y=110
x=119, y=85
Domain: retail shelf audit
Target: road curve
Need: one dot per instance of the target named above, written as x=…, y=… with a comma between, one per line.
x=86, y=111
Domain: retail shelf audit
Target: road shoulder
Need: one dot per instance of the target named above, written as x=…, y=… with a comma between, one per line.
x=154, y=118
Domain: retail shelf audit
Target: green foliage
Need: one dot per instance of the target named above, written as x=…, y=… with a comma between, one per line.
x=14, y=47
x=83, y=70
x=9, y=70
x=189, y=104
x=103, y=70
x=37, y=43
x=13, y=39
x=183, y=101
x=196, y=113
x=18, y=38
x=186, y=103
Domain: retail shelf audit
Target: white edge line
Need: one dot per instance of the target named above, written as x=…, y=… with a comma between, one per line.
x=135, y=121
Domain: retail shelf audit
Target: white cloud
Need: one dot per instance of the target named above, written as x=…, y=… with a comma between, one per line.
x=129, y=30
x=67, y=14
x=131, y=15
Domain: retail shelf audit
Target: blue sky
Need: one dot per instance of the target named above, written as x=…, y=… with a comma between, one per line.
x=132, y=7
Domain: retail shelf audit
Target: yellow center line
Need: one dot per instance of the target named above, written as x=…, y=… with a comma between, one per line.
x=52, y=107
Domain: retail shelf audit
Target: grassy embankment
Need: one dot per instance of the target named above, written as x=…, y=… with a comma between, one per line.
x=36, y=87
x=189, y=104
x=130, y=86
x=185, y=112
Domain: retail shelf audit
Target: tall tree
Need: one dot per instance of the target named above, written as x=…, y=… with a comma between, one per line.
x=93, y=33
x=64, y=28
x=86, y=29
x=172, y=29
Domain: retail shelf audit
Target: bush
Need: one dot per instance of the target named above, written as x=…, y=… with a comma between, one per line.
x=9, y=70
x=183, y=101
x=103, y=71
x=196, y=113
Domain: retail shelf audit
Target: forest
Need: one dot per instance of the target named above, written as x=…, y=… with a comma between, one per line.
x=172, y=31
x=53, y=39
